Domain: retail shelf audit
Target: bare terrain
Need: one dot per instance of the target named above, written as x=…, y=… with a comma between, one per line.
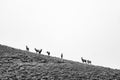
x=16, y=64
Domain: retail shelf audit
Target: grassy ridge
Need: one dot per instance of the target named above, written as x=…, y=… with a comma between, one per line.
x=16, y=64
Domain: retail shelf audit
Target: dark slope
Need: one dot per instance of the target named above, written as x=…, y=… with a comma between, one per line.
x=18, y=64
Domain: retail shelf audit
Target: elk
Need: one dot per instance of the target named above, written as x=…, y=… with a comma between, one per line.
x=36, y=50
x=61, y=55
x=40, y=51
x=48, y=53
x=88, y=61
x=83, y=60
x=27, y=48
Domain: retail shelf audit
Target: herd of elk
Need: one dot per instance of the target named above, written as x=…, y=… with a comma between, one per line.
x=85, y=61
x=39, y=51
x=48, y=52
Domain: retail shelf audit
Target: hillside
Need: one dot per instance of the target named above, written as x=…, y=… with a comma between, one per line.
x=16, y=64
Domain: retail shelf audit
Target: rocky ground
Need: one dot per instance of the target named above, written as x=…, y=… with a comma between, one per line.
x=18, y=64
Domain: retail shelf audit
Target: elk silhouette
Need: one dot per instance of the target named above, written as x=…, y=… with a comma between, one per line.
x=27, y=48
x=48, y=53
x=89, y=62
x=40, y=51
x=61, y=55
x=36, y=50
x=83, y=60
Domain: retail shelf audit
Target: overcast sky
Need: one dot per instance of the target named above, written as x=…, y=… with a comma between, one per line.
x=76, y=28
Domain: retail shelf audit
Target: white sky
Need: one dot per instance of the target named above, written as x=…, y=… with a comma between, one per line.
x=76, y=28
